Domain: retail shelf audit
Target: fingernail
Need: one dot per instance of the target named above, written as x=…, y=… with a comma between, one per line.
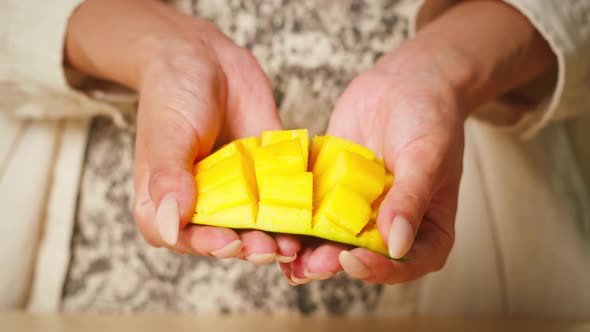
x=286, y=259
x=318, y=276
x=230, y=250
x=298, y=280
x=401, y=236
x=353, y=266
x=261, y=259
x=291, y=282
x=168, y=219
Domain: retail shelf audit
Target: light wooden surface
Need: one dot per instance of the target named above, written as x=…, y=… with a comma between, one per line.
x=178, y=323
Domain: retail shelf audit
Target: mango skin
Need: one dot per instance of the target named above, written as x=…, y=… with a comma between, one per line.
x=265, y=184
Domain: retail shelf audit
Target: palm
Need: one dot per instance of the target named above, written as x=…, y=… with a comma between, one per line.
x=409, y=122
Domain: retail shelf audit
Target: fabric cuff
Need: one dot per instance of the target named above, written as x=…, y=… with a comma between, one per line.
x=34, y=82
x=557, y=95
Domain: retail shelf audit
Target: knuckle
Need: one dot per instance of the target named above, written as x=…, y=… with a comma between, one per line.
x=140, y=214
x=439, y=264
x=162, y=178
x=210, y=27
x=245, y=57
x=416, y=203
x=444, y=244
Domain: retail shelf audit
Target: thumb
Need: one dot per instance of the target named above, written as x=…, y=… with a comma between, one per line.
x=404, y=206
x=174, y=129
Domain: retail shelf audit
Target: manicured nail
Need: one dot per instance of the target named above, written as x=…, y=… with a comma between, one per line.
x=286, y=259
x=261, y=259
x=401, y=236
x=318, y=276
x=230, y=250
x=168, y=219
x=298, y=280
x=353, y=266
x=291, y=282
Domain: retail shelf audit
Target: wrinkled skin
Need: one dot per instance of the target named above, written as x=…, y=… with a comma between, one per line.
x=406, y=112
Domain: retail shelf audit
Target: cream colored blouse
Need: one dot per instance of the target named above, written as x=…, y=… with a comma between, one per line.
x=523, y=224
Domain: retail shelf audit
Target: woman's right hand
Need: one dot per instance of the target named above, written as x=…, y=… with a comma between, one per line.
x=196, y=88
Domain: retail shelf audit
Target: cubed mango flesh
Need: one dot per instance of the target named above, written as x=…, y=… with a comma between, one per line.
x=332, y=146
x=284, y=219
x=276, y=136
x=241, y=216
x=350, y=169
x=265, y=184
x=287, y=190
x=316, y=146
x=345, y=208
x=227, y=194
x=284, y=157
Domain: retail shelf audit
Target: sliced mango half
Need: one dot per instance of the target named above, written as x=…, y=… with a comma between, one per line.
x=331, y=188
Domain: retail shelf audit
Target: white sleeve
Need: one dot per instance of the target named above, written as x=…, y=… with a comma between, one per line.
x=562, y=94
x=34, y=82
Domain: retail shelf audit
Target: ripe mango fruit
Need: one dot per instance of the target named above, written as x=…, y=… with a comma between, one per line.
x=280, y=183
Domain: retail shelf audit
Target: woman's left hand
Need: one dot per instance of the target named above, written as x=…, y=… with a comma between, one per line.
x=410, y=109
x=407, y=112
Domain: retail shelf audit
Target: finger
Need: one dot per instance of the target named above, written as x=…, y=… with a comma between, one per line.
x=178, y=121
x=144, y=215
x=250, y=103
x=213, y=241
x=429, y=254
x=286, y=269
x=298, y=266
x=323, y=262
x=258, y=247
x=199, y=240
x=404, y=206
x=287, y=247
x=144, y=212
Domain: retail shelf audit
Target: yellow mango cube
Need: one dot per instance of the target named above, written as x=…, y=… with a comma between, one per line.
x=240, y=216
x=331, y=230
x=332, y=146
x=277, y=136
x=361, y=175
x=371, y=238
x=345, y=208
x=224, y=152
x=316, y=147
x=280, y=158
x=224, y=171
x=287, y=190
x=251, y=146
x=282, y=219
x=232, y=193
x=232, y=160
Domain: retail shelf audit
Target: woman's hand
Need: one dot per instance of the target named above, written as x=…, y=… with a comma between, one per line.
x=410, y=109
x=196, y=88
x=405, y=111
